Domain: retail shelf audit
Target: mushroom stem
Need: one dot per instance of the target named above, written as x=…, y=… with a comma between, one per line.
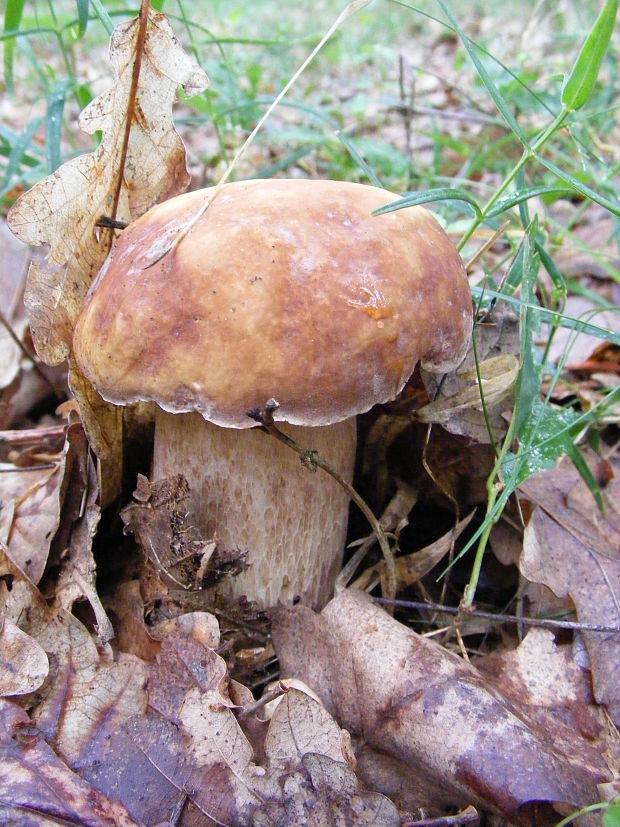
x=252, y=492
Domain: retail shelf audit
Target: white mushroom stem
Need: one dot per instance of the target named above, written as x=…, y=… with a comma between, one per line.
x=253, y=493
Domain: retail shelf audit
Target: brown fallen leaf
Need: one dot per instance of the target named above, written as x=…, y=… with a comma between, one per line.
x=571, y=548
x=406, y=696
x=30, y=506
x=551, y=684
x=190, y=745
x=39, y=789
x=322, y=793
x=23, y=663
x=463, y=413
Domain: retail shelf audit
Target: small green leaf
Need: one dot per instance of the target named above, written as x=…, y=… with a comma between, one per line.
x=527, y=388
x=82, y=12
x=442, y=194
x=547, y=434
x=12, y=19
x=579, y=84
x=581, y=188
x=524, y=195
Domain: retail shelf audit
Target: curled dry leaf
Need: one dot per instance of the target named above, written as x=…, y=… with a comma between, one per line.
x=23, y=663
x=427, y=709
x=463, y=413
x=571, y=548
x=13, y=266
x=176, y=554
x=412, y=567
x=62, y=210
x=78, y=570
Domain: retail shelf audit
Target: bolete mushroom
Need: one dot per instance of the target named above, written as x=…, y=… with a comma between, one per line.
x=287, y=290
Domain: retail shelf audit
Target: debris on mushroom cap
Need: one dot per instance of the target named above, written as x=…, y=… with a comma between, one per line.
x=285, y=289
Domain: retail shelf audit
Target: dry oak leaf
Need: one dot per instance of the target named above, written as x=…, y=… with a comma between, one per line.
x=406, y=696
x=570, y=547
x=190, y=742
x=62, y=210
x=37, y=789
x=23, y=663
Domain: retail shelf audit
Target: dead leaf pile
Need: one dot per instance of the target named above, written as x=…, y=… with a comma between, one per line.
x=466, y=738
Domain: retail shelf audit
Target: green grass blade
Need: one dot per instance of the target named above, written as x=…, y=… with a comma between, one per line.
x=103, y=15
x=498, y=98
x=12, y=19
x=82, y=12
x=18, y=149
x=547, y=316
x=560, y=289
x=576, y=457
x=441, y=194
x=53, y=124
x=580, y=187
x=524, y=195
x=579, y=84
x=363, y=165
x=527, y=389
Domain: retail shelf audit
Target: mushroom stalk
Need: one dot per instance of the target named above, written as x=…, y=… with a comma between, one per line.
x=252, y=493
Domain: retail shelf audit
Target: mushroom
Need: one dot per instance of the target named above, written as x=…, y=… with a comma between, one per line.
x=286, y=290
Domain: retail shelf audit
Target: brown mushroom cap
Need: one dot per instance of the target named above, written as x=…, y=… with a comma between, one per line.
x=285, y=289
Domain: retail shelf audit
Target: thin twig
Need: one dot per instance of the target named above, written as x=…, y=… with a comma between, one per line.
x=544, y=623
x=466, y=816
x=266, y=698
x=25, y=353
x=352, y=7
x=313, y=460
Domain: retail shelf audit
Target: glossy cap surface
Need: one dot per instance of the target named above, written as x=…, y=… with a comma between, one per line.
x=285, y=289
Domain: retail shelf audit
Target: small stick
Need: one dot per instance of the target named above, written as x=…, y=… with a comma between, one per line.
x=501, y=618
x=313, y=460
x=7, y=325
x=351, y=8
x=466, y=816
x=266, y=698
